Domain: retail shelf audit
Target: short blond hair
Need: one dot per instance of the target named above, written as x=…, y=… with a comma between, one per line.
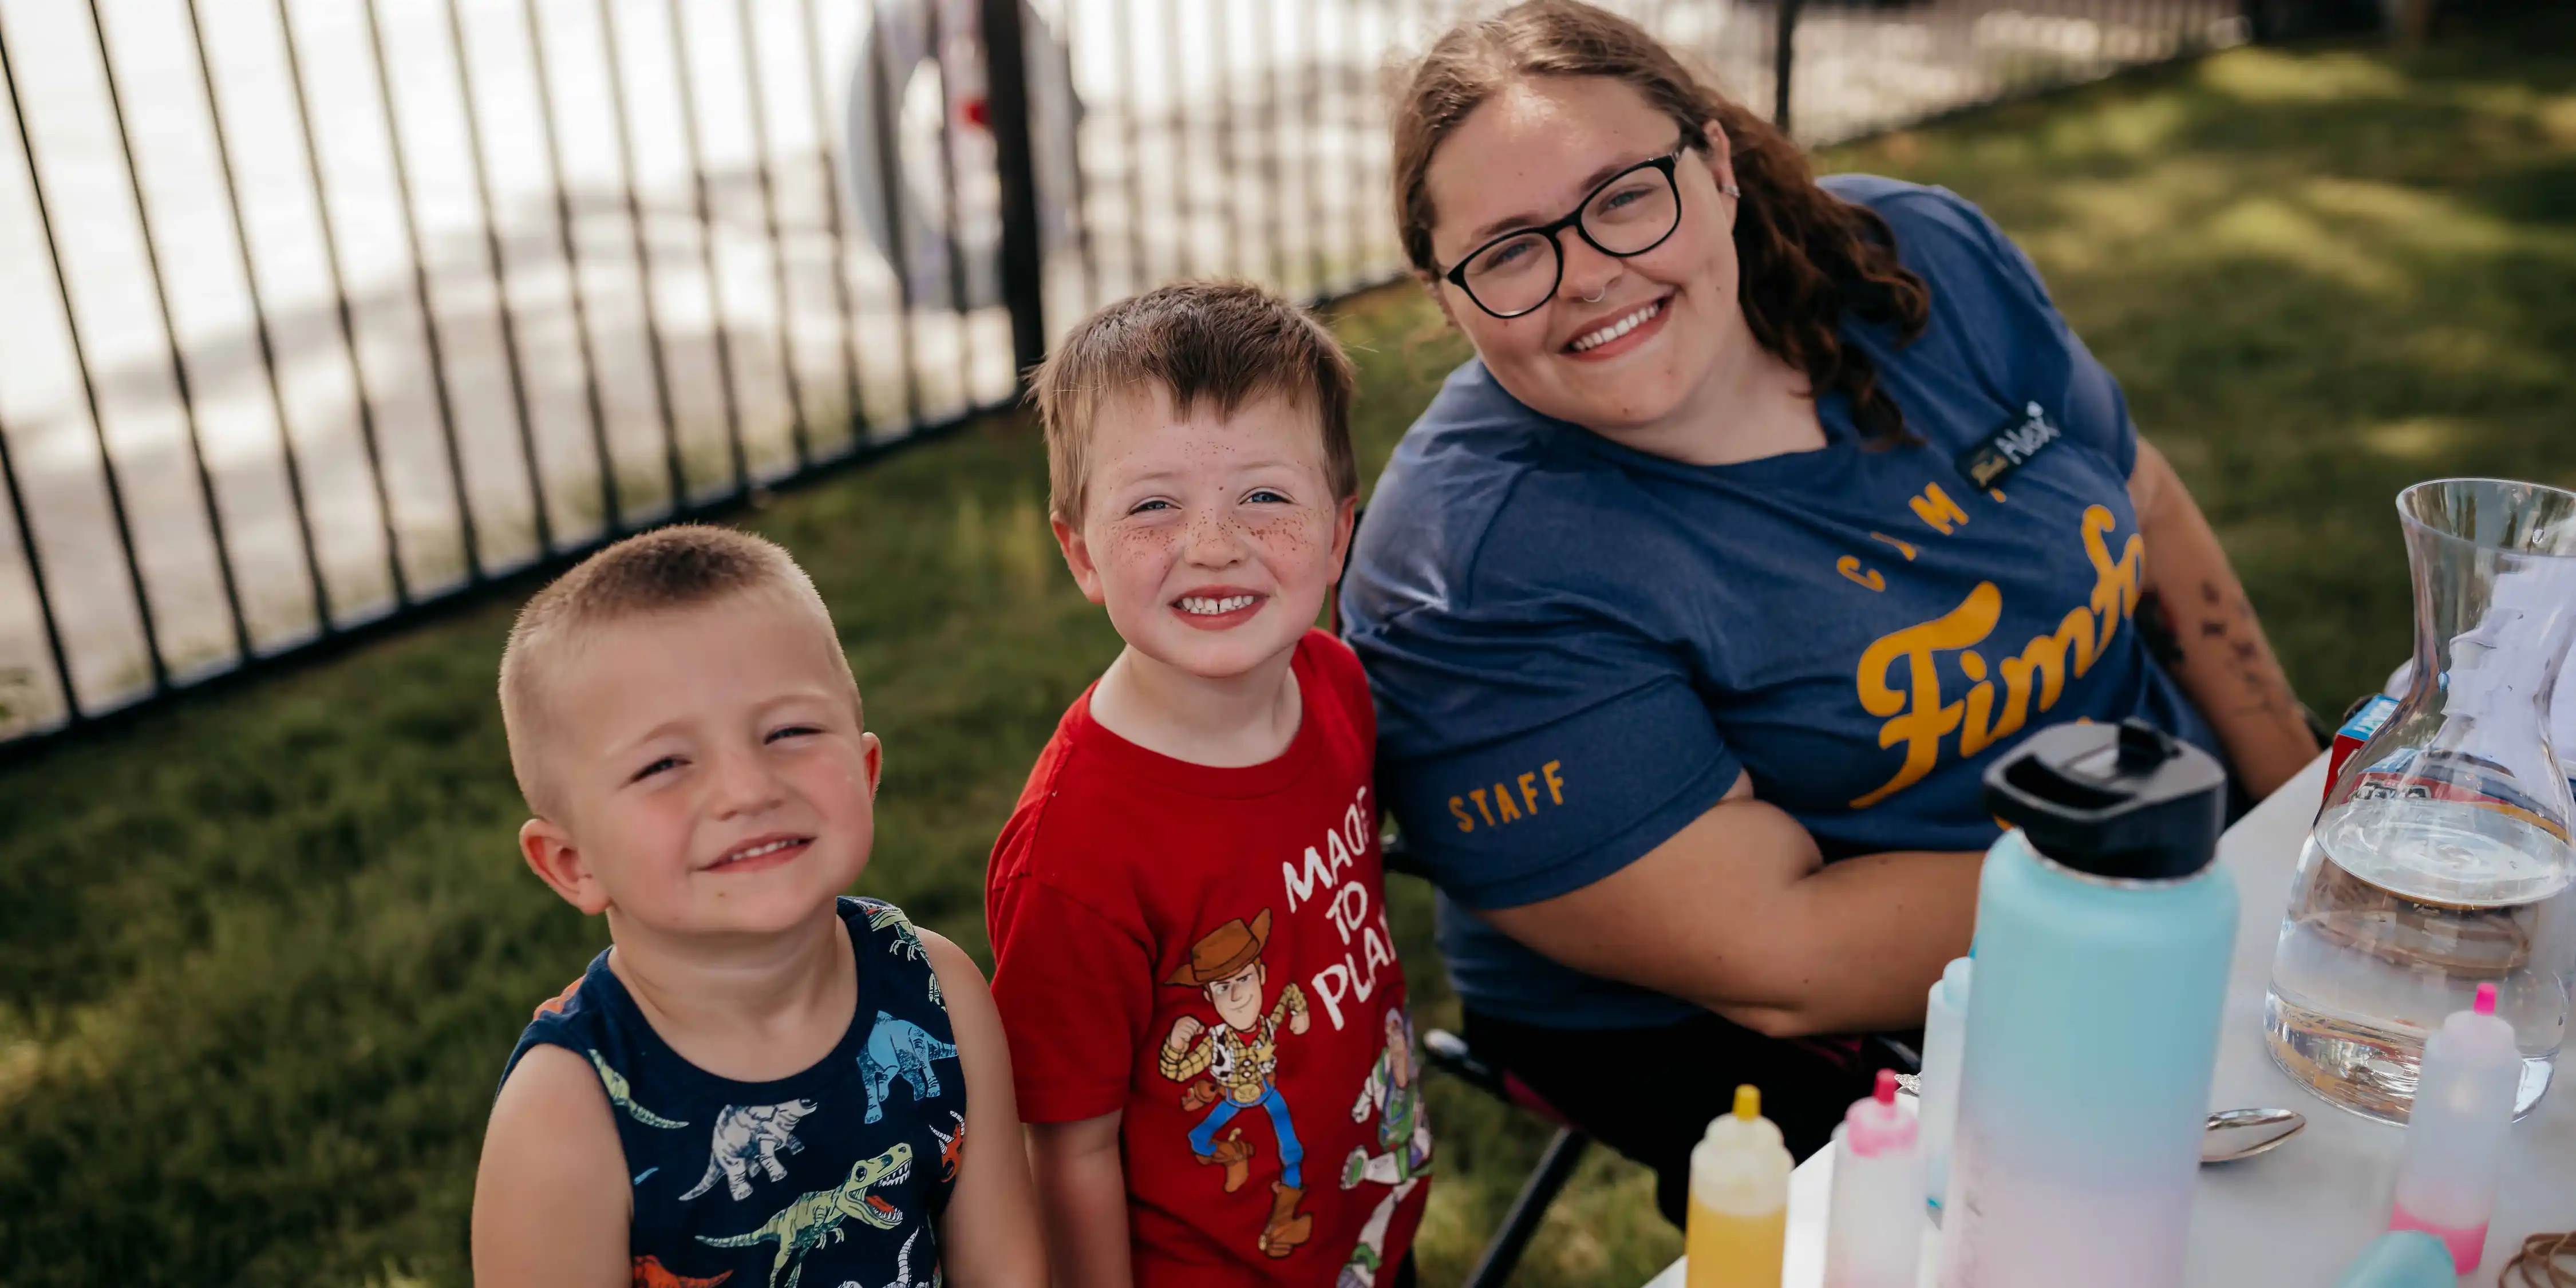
x=1219, y=343
x=683, y=566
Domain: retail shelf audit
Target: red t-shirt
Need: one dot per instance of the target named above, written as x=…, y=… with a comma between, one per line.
x=1134, y=898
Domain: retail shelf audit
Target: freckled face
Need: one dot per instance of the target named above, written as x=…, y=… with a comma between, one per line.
x=1211, y=539
x=1526, y=157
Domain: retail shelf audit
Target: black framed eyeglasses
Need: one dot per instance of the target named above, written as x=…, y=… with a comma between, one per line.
x=1632, y=212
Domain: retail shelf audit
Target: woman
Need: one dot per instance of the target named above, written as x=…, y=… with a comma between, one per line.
x=1769, y=513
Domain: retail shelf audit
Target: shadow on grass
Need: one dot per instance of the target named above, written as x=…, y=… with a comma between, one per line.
x=261, y=954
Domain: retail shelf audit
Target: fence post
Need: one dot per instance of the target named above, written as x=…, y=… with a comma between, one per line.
x=1006, y=101
x=1784, y=45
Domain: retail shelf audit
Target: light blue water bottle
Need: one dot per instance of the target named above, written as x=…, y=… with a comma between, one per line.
x=2103, y=939
x=2402, y=1259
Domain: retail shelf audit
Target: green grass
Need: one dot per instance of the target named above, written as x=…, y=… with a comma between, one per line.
x=261, y=952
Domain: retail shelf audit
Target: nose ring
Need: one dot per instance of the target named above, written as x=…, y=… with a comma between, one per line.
x=1596, y=297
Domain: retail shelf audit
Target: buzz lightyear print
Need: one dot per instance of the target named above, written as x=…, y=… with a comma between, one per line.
x=1393, y=1092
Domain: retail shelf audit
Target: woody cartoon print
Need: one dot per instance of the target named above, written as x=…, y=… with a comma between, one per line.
x=1206, y=951
x=1239, y=1055
x=1228, y=1065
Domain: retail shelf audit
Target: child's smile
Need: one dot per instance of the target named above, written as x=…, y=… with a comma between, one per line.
x=716, y=778
x=760, y=854
x=1211, y=538
x=1216, y=608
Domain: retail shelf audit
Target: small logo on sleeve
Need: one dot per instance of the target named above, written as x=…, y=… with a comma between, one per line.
x=1502, y=803
x=2009, y=447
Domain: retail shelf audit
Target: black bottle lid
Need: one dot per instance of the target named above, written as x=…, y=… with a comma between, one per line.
x=2128, y=801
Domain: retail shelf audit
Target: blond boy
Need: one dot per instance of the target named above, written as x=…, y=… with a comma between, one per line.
x=761, y=1081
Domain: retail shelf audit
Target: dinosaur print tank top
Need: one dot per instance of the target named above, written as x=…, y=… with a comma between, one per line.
x=834, y=1177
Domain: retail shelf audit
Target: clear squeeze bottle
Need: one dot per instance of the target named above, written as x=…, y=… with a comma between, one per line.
x=1739, y=1201
x=1945, y=1032
x=2104, y=933
x=2446, y=1183
x=1874, y=1230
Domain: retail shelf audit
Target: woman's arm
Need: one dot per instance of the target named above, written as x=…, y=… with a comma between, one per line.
x=1739, y=913
x=1082, y=1191
x=551, y=1203
x=2226, y=666
x=989, y=1235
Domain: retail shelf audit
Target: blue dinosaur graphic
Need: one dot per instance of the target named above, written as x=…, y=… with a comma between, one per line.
x=899, y=1049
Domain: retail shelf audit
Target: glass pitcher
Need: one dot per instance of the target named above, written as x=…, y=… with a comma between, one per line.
x=2441, y=858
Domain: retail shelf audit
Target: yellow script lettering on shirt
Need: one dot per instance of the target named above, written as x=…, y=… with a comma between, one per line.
x=1913, y=710
x=1509, y=802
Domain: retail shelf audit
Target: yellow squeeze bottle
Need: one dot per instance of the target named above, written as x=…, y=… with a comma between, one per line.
x=1739, y=1201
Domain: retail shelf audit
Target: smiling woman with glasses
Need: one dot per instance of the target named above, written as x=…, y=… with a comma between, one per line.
x=1771, y=511
x=1632, y=212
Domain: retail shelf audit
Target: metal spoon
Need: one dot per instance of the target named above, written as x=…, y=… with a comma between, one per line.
x=2229, y=1135
x=2242, y=1133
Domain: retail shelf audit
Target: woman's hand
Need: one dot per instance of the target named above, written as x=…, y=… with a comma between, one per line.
x=1739, y=913
x=2226, y=666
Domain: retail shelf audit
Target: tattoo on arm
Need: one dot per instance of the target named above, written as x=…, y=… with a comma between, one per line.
x=2227, y=629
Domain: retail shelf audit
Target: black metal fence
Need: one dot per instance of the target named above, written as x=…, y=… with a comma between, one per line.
x=319, y=311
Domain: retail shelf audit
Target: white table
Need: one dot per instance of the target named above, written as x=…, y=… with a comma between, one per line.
x=2293, y=1218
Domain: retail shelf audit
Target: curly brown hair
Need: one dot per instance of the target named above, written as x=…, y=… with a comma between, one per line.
x=1807, y=256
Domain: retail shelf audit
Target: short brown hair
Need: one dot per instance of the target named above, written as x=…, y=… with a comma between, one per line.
x=1807, y=256
x=683, y=566
x=1222, y=343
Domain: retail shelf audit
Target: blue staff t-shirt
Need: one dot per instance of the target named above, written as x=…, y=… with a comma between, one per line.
x=1576, y=647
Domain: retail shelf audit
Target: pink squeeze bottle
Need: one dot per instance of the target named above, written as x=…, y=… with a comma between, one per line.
x=2446, y=1183
x=1874, y=1230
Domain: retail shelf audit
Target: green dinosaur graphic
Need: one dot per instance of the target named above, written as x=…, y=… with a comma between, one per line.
x=907, y=944
x=622, y=1096
x=805, y=1224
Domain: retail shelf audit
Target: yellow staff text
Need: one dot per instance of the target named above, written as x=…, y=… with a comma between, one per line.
x=1497, y=805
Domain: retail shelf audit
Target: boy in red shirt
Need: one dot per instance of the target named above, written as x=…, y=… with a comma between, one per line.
x=1192, y=957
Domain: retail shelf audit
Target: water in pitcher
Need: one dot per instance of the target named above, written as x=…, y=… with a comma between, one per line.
x=2400, y=909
